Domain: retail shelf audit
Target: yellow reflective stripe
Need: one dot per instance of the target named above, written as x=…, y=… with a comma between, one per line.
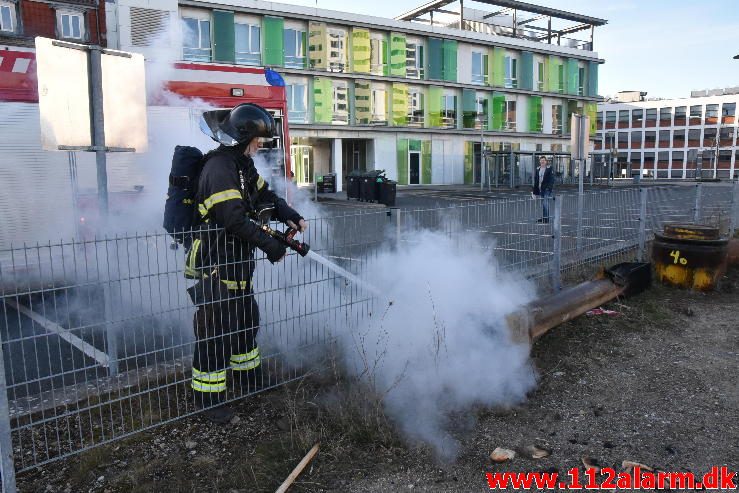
x=260, y=183
x=190, y=269
x=208, y=387
x=213, y=376
x=248, y=365
x=187, y=201
x=203, y=211
x=219, y=197
x=240, y=358
x=235, y=285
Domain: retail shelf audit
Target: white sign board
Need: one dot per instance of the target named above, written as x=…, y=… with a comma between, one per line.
x=579, y=136
x=64, y=97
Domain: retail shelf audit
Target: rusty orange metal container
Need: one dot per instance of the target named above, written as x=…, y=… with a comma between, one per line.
x=690, y=256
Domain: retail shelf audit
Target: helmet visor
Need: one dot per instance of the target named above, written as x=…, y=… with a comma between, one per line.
x=209, y=126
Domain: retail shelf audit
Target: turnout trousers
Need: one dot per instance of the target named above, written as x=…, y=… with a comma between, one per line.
x=226, y=324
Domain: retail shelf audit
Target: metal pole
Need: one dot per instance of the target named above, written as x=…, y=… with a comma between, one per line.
x=642, y=223
x=580, y=204
x=698, y=199
x=511, y=166
x=398, y=224
x=98, y=128
x=734, y=209
x=482, y=147
x=557, y=247
x=7, y=466
x=111, y=337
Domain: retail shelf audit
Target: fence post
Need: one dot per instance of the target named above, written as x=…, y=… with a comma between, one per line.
x=580, y=204
x=734, y=210
x=7, y=466
x=698, y=199
x=642, y=223
x=111, y=336
x=557, y=247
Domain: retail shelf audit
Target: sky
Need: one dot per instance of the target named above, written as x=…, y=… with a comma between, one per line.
x=664, y=47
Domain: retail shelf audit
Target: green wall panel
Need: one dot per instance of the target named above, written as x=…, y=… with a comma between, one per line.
x=534, y=113
x=469, y=158
x=323, y=108
x=274, y=41
x=435, y=59
x=592, y=79
x=433, y=104
x=572, y=76
x=498, y=111
x=426, y=162
x=547, y=85
x=400, y=104
x=397, y=55
x=360, y=51
x=414, y=145
x=555, y=82
x=224, y=37
x=526, y=73
x=590, y=110
x=449, y=70
x=402, y=150
x=469, y=108
x=317, y=49
x=362, y=102
x=497, y=68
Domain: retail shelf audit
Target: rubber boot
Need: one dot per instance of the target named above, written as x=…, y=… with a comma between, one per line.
x=213, y=407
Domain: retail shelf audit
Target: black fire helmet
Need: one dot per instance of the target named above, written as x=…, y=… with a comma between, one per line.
x=238, y=125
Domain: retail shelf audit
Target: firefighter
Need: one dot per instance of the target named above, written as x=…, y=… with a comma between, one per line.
x=229, y=192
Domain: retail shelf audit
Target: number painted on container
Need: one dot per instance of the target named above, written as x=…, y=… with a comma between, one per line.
x=675, y=254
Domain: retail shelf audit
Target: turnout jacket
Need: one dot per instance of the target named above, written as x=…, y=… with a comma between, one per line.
x=229, y=191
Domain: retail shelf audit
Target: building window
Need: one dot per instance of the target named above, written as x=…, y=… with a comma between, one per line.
x=581, y=81
x=664, y=139
x=680, y=114
x=650, y=139
x=649, y=164
x=709, y=135
x=726, y=136
x=610, y=119
x=197, y=40
x=7, y=17
x=510, y=115
x=511, y=79
x=677, y=164
x=560, y=78
x=599, y=121
x=623, y=119
x=711, y=114
x=336, y=50
x=449, y=110
x=294, y=40
x=694, y=138
x=296, y=102
x=540, y=76
x=678, y=139
x=665, y=117
x=415, y=108
x=557, y=119
x=651, y=120
x=414, y=60
x=598, y=142
x=636, y=139
x=728, y=111
x=71, y=24
x=378, y=56
x=623, y=140
x=637, y=118
x=635, y=160
x=379, y=106
x=479, y=62
x=696, y=114
x=341, y=102
x=248, y=44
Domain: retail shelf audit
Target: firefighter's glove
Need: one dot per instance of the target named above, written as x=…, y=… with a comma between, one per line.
x=300, y=225
x=274, y=250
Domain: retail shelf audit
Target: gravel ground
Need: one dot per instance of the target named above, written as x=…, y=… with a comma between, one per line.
x=656, y=385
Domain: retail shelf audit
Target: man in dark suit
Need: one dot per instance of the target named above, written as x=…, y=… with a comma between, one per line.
x=544, y=186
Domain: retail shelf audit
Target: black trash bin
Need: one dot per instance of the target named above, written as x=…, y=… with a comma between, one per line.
x=368, y=185
x=327, y=183
x=386, y=191
x=353, y=181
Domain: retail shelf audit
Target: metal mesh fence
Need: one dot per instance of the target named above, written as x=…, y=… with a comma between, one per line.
x=97, y=335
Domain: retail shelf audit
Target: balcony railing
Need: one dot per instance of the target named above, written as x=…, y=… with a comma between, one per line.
x=248, y=58
x=196, y=54
x=294, y=61
x=415, y=119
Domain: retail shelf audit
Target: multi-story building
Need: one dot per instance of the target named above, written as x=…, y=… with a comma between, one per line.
x=414, y=98
x=692, y=137
x=80, y=21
